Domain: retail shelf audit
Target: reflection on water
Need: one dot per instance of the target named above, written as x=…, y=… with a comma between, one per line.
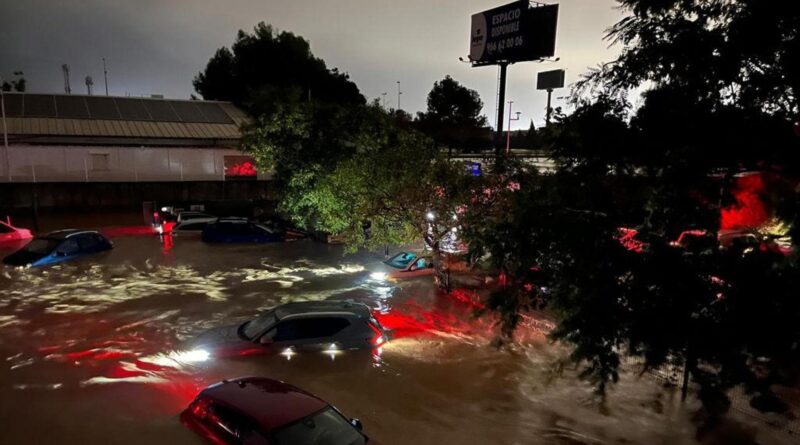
x=94, y=350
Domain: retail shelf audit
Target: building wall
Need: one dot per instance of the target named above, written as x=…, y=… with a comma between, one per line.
x=30, y=163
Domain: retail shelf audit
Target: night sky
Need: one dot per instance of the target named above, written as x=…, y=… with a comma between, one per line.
x=157, y=46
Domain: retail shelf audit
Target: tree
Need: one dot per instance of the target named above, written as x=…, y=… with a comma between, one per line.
x=398, y=192
x=719, y=101
x=360, y=172
x=17, y=84
x=266, y=67
x=453, y=118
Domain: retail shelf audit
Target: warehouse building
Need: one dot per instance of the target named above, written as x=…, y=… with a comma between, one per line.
x=112, y=148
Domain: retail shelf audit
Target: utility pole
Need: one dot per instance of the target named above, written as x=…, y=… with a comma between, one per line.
x=498, y=150
x=398, y=94
x=508, y=133
x=65, y=70
x=549, y=108
x=105, y=74
x=5, y=130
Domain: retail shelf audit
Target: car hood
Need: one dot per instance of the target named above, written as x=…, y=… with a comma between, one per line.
x=23, y=258
x=216, y=336
x=225, y=342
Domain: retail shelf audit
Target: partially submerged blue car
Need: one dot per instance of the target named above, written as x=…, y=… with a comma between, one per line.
x=59, y=246
x=239, y=230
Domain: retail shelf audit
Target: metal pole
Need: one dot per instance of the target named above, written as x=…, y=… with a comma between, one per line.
x=398, y=94
x=500, y=108
x=105, y=74
x=549, y=108
x=508, y=133
x=5, y=132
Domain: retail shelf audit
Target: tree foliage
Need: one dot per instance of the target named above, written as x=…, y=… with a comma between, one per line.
x=453, y=117
x=17, y=84
x=719, y=101
x=267, y=66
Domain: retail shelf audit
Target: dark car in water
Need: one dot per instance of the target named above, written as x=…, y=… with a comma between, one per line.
x=238, y=230
x=262, y=411
x=59, y=246
x=295, y=327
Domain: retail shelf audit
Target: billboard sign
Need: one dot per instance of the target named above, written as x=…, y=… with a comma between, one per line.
x=550, y=80
x=513, y=33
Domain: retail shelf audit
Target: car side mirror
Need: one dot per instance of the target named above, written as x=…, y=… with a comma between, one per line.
x=356, y=424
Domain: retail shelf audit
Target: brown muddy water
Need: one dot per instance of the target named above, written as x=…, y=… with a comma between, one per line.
x=91, y=352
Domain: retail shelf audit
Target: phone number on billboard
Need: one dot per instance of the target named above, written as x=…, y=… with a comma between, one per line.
x=502, y=45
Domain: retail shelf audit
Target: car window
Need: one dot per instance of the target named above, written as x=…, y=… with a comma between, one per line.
x=308, y=328
x=258, y=229
x=227, y=421
x=87, y=242
x=5, y=229
x=326, y=427
x=255, y=327
x=192, y=226
x=68, y=247
x=41, y=246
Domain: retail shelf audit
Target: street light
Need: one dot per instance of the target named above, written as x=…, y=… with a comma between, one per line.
x=508, y=133
x=5, y=128
x=398, y=95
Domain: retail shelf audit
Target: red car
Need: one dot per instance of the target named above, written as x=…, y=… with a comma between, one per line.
x=262, y=411
x=10, y=233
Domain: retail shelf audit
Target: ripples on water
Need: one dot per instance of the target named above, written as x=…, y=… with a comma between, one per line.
x=93, y=350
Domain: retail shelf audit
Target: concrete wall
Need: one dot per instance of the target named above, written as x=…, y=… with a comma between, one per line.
x=30, y=163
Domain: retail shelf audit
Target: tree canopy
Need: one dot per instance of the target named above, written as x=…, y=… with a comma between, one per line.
x=453, y=117
x=17, y=84
x=266, y=66
x=597, y=241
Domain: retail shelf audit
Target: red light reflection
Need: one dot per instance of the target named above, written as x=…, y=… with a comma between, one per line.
x=749, y=211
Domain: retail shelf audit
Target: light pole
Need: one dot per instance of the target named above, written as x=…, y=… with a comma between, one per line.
x=383, y=99
x=398, y=95
x=5, y=129
x=508, y=133
x=105, y=74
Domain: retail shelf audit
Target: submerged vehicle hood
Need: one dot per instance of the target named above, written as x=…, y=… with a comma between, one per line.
x=23, y=258
x=225, y=342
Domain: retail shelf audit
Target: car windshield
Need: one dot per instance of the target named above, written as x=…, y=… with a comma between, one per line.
x=256, y=327
x=326, y=427
x=401, y=260
x=41, y=246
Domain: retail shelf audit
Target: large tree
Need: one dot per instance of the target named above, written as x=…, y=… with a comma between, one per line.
x=265, y=67
x=721, y=98
x=453, y=117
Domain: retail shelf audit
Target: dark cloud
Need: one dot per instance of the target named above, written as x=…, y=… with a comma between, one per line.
x=157, y=46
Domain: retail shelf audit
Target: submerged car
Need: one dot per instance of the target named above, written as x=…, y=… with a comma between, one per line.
x=262, y=411
x=404, y=265
x=59, y=246
x=9, y=233
x=296, y=327
x=238, y=230
x=193, y=225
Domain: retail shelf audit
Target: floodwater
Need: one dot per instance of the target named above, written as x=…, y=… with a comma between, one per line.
x=91, y=352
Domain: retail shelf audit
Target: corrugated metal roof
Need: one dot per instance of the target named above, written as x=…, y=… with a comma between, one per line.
x=205, y=120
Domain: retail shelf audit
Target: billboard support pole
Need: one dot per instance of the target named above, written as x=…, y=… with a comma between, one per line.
x=549, y=108
x=501, y=101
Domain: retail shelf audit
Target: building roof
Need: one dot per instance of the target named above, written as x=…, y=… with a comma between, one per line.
x=80, y=119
